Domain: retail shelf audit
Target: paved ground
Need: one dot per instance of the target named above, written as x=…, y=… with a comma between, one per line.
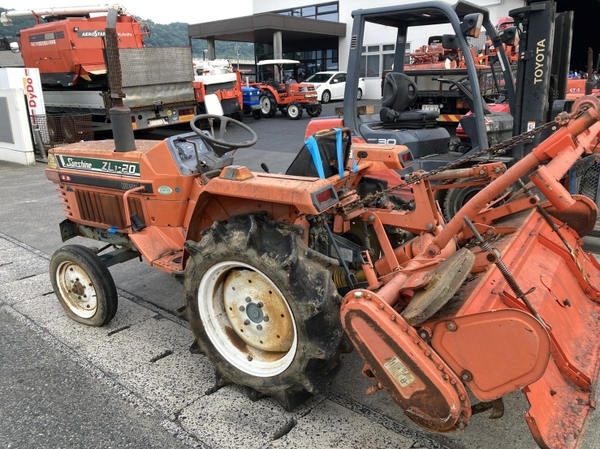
x=134, y=383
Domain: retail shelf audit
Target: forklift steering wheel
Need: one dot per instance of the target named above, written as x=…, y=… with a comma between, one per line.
x=454, y=86
x=219, y=144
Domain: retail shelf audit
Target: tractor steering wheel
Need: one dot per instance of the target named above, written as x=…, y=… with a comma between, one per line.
x=219, y=144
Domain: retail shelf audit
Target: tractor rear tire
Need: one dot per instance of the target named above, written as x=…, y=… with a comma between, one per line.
x=263, y=308
x=294, y=111
x=268, y=106
x=455, y=199
x=314, y=111
x=83, y=285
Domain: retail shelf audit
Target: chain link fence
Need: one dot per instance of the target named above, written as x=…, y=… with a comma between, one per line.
x=586, y=173
x=61, y=129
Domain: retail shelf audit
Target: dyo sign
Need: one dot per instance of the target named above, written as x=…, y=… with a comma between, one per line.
x=33, y=90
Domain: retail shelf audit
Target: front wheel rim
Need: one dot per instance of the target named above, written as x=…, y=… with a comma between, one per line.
x=247, y=319
x=77, y=289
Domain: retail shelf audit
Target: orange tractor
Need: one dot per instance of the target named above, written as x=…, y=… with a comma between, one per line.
x=289, y=97
x=278, y=268
x=279, y=271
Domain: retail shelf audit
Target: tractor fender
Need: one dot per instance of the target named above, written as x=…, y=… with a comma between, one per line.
x=239, y=191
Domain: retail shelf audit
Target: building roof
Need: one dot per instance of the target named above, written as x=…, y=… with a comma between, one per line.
x=259, y=28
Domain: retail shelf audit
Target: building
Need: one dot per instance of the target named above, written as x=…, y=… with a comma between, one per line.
x=318, y=34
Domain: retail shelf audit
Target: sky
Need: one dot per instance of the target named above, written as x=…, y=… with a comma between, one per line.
x=155, y=10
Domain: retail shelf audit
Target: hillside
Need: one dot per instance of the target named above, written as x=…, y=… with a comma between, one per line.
x=170, y=35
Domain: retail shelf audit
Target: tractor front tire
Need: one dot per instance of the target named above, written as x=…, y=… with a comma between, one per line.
x=294, y=111
x=314, y=111
x=263, y=308
x=256, y=114
x=83, y=285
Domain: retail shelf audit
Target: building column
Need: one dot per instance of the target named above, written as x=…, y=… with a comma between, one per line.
x=277, y=52
x=211, y=49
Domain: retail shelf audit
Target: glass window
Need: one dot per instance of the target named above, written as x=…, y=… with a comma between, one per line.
x=373, y=48
x=329, y=12
x=308, y=11
x=319, y=78
x=333, y=17
x=328, y=8
x=372, y=66
x=388, y=47
x=388, y=60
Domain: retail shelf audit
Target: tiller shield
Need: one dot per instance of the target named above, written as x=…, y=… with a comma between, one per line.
x=525, y=318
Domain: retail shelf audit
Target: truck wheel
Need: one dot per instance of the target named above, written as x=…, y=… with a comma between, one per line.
x=456, y=198
x=268, y=107
x=326, y=97
x=263, y=308
x=294, y=111
x=53, y=127
x=359, y=94
x=83, y=285
x=69, y=130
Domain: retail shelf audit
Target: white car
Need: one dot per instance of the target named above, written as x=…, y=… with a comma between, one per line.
x=331, y=85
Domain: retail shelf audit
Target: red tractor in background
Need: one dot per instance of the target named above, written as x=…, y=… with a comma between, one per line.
x=289, y=97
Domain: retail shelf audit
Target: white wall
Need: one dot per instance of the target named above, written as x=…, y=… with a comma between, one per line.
x=15, y=138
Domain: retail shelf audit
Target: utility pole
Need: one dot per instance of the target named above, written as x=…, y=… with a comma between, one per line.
x=237, y=52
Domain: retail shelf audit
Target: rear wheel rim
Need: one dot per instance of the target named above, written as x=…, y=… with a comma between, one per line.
x=265, y=105
x=247, y=319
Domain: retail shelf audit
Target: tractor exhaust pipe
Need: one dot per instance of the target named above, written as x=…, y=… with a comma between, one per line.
x=120, y=115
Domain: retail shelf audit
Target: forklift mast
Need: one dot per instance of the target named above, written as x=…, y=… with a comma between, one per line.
x=543, y=66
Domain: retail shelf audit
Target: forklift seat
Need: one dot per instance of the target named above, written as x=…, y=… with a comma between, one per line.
x=399, y=95
x=323, y=154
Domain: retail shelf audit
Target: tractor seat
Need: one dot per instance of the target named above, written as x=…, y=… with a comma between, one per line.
x=323, y=154
x=399, y=95
x=275, y=85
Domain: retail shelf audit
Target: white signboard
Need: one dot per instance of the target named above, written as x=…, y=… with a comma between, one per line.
x=29, y=81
